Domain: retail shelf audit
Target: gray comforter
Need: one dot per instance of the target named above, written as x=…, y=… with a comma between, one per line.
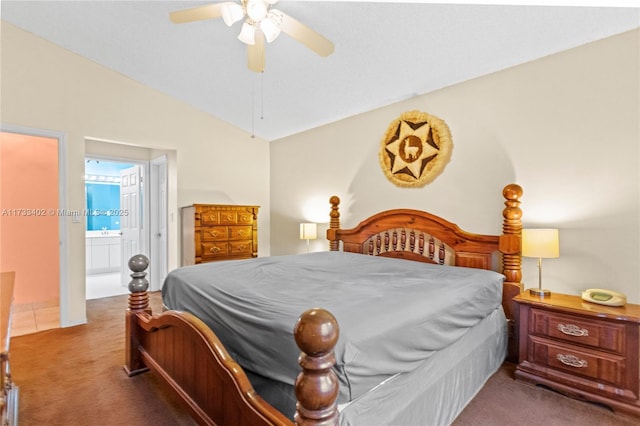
x=393, y=313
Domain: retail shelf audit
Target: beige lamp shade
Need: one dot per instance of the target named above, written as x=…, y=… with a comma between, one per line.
x=540, y=243
x=308, y=231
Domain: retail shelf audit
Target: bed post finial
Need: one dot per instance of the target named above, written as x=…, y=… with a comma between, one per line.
x=334, y=224
x=511, y=239
x=316, y=333
x=138, y=302
x=138, y=298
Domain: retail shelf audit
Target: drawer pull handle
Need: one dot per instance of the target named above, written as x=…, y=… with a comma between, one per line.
x=573, y=330
x=572, y=361
x=214, y=249
x=214, y=233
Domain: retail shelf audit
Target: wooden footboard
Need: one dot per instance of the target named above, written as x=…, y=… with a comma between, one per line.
x=188, y=356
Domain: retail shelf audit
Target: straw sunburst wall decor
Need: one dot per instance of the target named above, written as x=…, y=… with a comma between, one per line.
x=415, y=149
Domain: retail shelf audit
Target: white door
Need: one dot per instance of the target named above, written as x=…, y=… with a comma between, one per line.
x=131, y=223
x=158, y=223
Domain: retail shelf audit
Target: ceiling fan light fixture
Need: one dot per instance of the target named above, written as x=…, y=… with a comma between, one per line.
x=247, y=34
x=257, y=9
x=270, y=25
x=263, y=23
x=231, y=13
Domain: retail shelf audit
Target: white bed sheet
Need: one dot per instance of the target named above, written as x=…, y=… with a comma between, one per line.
x=423, y=397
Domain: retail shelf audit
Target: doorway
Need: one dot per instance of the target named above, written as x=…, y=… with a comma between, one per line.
x=107, y=220
x=31, y=201
x=137, y=224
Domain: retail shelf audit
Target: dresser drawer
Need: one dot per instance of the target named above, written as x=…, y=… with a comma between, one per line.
x=214, y=233
x=240, y=248
x=209, y=217
x=589, y=332
x=600, y=366
x=228, y=217
x=213, y=249
x=240, y=232
x=245, y=218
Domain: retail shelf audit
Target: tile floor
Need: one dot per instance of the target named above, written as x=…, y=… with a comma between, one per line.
x=33, y=317
x=104, y=285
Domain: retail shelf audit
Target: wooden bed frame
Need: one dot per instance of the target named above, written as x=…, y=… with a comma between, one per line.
x=188, y=356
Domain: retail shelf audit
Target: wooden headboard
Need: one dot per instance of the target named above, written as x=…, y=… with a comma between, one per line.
x=421, y=236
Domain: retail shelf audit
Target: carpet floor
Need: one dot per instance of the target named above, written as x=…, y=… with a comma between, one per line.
x=74, y=376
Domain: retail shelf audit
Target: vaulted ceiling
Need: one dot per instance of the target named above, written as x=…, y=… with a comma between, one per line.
x=384, y=51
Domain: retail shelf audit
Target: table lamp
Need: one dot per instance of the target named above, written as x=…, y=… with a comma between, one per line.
x=308, y=231
x=540, y=243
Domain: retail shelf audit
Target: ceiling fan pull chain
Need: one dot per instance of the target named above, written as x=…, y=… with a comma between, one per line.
x=262, y=95
x=253, y=108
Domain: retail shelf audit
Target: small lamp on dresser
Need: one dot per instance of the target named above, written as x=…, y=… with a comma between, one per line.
x=540, y=243
x=308, y=231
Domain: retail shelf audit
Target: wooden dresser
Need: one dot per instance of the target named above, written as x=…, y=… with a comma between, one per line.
x=218, y=232
x=585, y=350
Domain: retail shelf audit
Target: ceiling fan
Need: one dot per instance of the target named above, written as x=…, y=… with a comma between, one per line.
x=263, y=22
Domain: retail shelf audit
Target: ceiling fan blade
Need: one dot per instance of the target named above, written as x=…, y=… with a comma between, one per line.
x=255, y=53
x=306, y=35
x=200, y=13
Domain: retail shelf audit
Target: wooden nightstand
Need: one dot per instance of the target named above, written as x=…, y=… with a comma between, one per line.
x=581, y=349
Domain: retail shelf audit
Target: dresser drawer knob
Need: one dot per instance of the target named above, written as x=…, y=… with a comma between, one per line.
x=572, y=361
x=214, y=249
x=214, y=233
x=573, y=330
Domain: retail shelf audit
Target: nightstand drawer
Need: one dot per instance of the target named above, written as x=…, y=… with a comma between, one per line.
x=594, y=333
x=600, y=366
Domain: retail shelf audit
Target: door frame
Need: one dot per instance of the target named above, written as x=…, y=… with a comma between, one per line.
x=159, y=255
x=63, y=250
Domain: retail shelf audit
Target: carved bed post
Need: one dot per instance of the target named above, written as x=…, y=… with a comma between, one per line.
x=510, y=246
x=334, y=224
x=316, y=333
x=138, y=302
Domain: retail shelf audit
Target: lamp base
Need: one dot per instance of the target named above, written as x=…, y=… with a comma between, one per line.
x=539, y=292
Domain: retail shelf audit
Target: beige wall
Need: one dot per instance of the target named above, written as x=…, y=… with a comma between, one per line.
x=565, y=127
x=46, y=87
